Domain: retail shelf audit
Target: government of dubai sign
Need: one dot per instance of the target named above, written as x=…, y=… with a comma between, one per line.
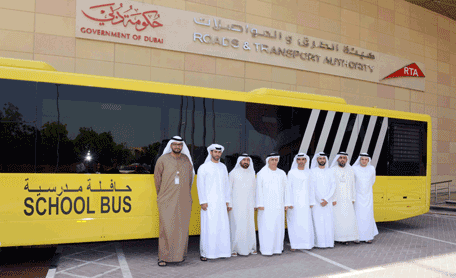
x=171, y=29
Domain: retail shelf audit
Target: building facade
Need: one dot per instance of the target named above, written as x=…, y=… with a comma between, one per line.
x=45, y=30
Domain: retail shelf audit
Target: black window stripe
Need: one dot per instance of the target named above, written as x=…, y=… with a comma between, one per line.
x=333, y=132
x=348, y=131
x=317, y=131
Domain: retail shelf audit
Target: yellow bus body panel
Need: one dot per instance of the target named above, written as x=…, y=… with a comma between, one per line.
x=73, y=213
x=133, y=212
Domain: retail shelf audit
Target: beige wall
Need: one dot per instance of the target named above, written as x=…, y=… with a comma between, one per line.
x=46, y=32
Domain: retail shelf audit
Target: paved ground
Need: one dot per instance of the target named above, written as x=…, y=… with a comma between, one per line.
x=423, y=246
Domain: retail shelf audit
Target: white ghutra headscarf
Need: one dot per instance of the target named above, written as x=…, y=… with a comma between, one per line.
x=238, y=163
x=295, y=161
x=178, y=139
x=334, y=162
x=357, y=162
x=271, y=155
x=315, y=162
x=211, y=148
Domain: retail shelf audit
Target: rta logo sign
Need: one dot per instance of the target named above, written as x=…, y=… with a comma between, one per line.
x=411, y=70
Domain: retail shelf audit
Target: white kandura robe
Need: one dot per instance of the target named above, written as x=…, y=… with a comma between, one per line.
x=272, y=194
x=364, y=205
x=214, y=189
x=299, y=219
x=242, y=217
x=345, y=223
x=324, y=187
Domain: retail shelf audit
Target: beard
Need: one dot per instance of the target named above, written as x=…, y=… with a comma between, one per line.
x=341, y=164
x=321, y=163
x=177, y=151
x=215, y=158
x=245, y=165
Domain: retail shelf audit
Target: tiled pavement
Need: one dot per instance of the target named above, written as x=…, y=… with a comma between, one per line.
x=89, y=260
x=423, y=246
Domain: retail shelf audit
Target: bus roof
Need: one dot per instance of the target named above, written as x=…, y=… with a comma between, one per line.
x=25, y=64
x=297, y=95
x=36, y=71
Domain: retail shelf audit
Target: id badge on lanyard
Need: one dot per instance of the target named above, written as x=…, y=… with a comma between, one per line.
x=176, y=178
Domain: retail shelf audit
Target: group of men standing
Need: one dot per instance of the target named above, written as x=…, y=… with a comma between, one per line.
x=324, y=204
x=344, y=209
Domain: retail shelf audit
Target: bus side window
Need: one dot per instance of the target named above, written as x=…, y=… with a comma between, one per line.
x=407, y=148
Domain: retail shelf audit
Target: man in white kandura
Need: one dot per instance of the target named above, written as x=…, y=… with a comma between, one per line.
x=242, y=216
x=299, y=219
x=272, y=199
x=345, y=224
x=214, y=197
x=364, y=205
x=324, y=186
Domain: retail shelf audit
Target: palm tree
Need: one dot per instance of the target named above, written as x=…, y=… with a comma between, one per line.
x=179, y=125
x=193, y=126
x=213, y=121
x=58, y=133
x=185, y=121
x=204, y=122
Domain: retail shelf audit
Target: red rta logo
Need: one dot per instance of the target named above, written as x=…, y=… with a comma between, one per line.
x=411, y=70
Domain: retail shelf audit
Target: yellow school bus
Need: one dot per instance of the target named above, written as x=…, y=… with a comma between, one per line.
x=79, y=150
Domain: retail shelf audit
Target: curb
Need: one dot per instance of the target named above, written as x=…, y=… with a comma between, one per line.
x=443, y=208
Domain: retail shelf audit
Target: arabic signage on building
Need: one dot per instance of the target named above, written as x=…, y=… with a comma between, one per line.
x=165, y=28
